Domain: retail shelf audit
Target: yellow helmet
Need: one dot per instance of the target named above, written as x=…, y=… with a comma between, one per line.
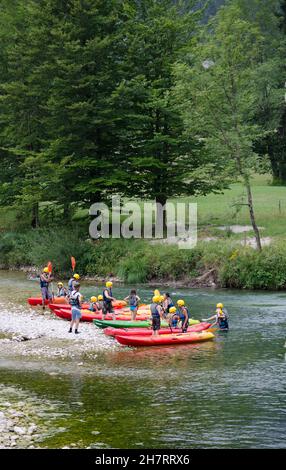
x=93, y=299
x=76, y=276
x=109, y=284
x=156, y=292
x=172, y=310
x=60, y=284
x=46, y=270
x=100, y=297
x=219, y=306
x=181, y=303
x=156, y=299
x=161, y=297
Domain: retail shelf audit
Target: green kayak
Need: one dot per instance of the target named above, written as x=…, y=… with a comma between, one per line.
x=122, y=323
x=133, y=324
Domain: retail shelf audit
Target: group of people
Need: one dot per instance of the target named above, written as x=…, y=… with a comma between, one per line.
x=162, y=306
x=178, y=315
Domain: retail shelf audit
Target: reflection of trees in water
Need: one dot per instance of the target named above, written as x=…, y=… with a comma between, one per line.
x=174, y=357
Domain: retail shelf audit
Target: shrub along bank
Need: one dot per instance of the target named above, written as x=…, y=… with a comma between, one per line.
x=139, y=261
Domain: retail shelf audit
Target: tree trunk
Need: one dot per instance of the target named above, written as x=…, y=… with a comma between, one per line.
x=161, y=215
x=252, y=215
x=67, y=211
x=35, y=215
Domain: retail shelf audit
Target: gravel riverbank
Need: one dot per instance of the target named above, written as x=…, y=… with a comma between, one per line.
x=29, y=332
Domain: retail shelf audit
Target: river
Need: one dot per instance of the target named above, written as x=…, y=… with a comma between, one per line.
x=227, y=393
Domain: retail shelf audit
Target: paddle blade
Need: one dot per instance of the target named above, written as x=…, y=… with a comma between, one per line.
x=73, y=263
x=50, y=267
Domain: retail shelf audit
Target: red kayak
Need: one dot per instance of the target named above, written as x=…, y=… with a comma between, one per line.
x=54, y=307
x=38, y=301
x=165, y=340
x=66, y=315
x=117, y=304
x=90, y=316
x=148, y=331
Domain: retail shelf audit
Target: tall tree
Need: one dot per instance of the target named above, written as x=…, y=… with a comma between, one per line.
x=157, y=158
x=220, y=94
x=267, y=16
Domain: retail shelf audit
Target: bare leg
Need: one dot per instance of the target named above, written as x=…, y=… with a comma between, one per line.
x=77, y=324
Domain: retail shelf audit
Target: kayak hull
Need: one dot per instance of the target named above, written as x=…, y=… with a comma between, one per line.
x=33, y=301
x=121, y=323
x=134, y=324
x=124, y=310
x=148, y=331
x=165, y=340
x=87, y=315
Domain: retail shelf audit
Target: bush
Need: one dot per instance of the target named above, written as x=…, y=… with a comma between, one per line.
x=254, y=270
x=136, y=261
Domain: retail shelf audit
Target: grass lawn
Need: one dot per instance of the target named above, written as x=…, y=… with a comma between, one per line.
x=269, y=206
x=218, y=209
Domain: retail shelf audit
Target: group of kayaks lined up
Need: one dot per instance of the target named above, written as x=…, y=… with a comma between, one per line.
x=129, y=322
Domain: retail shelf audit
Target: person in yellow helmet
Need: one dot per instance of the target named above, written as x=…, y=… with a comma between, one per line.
x=45, y=280
x=184, y=315
x=75, y=300
x=156, y=312
x=173, y=317
x=75, y=278
x=62, y=292
x=99, y=302
x=133, y=299
x=107, y=300
x=167, y=304
x=220, y=318
x=93, y=307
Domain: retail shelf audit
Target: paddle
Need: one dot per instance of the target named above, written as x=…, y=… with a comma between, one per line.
x=73, y=263
x=50, y=268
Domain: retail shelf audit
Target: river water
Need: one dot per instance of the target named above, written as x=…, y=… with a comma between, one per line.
x=227, y=393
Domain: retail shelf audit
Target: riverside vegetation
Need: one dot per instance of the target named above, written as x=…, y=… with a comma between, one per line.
x=225, y=257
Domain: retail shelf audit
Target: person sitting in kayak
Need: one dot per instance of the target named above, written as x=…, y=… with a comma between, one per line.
x=107, y=300
x=133, y=300
x=167, y=304
x=93, y=307
x=173, y=317
x=62, y=292
x=99, y=302
x=45, y=280
x=220, y=317
x=184, y=315
x=156, y=314
x=72, y=281
x=75, y=300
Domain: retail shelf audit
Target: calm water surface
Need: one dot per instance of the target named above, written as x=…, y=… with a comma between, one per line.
x=229, y=393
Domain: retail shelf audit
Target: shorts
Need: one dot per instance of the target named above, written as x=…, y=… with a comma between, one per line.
x=107, y=308
x=156, y=323
x=133, y=308
x=76, y=313
x=46, y=294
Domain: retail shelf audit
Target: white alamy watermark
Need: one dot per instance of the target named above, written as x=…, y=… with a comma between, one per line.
x=173, y=222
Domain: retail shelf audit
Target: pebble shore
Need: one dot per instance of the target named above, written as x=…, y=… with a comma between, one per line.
x=30, y=332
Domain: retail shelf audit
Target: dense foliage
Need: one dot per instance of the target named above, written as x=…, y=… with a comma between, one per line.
x=88, y=107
